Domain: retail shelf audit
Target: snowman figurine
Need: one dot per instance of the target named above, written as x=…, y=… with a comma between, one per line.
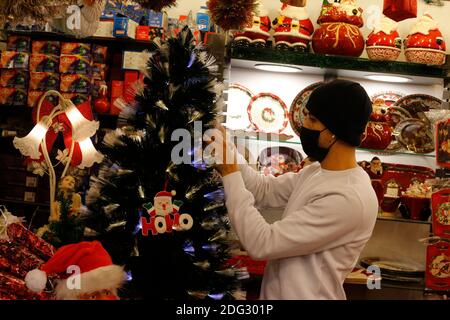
x=293, y=28
x=256, y=33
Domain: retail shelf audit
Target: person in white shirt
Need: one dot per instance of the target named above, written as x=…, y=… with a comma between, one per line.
x=330, y=206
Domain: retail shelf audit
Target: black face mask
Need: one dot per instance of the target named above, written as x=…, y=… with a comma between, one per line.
x=310, y=144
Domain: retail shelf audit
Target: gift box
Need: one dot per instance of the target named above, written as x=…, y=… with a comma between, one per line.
x=76, y=98
x=76, y=48
x=12, y=78
x=18, y=44
x=14, y=60
x=75, y=83
x=44, y=63
x=105, y=29
x=46, y=47
x=143, y=33
x=34, y=96
x=399, y=10
x=99, y=71
x=44, y=81
x=13, y=96
x=99, y=53
x=437, y=274
x=124, y=28
x=440, y=202
x=75, y=64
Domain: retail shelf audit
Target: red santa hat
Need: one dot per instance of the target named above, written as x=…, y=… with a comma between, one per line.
x=164, y=194
x=97, y=272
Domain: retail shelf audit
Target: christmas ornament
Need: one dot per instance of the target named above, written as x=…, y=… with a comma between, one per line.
x=232, y=14
x=293, y=28
x=15, y=286
x=440, y=203
x=156, y=5
x=437, y=274
x=339, y=32
x=384, y=43
x=101, y=104
x=256, y=32
x=165, y=216
x=425, y=43
x=98, y=277
x=399, y=10
x=378, y=134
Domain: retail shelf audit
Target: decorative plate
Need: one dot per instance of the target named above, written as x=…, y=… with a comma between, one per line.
x=415, y=135
x=238, y=99
x=416, y=103
x=279, y=160
x=296, y=115
x=389, y=97
x=268, y=113
x=394, y=268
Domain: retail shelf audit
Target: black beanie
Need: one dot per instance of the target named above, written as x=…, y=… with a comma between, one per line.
x=343, y=107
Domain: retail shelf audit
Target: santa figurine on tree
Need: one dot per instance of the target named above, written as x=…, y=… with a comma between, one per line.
x=86, y=272
x=256, y=33
x=293, y=28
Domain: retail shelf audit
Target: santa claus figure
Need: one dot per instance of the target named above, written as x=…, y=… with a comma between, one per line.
x=256, y=33
x=425, y=43
x=384, y=43
x=85, y=271
x=293, y=28
x=163, y=204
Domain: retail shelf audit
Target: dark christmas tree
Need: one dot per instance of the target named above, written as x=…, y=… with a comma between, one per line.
x=139, y=179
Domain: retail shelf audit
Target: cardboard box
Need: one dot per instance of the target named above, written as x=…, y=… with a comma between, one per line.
x=130, y=85
x=77, y=98
x=34, y=96
x=75, y=64
x=13, y=96
x=99, y=71
x=105, y=29
x=44, y=81
x=44, y=63
x=76, y=48
x=99, y=53
x=46, y=47
x=124, y=28
x=18, y=43
x=116, y=89
x=14, y=78
x=135, y=60
x=143, y=33
x=75, y=83
x=14, y=60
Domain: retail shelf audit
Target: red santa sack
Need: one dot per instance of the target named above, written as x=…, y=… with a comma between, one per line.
x=399, y=10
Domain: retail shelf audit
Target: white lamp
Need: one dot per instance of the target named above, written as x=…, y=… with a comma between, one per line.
x=89, y=155
x=82, y=128
x=29, y=145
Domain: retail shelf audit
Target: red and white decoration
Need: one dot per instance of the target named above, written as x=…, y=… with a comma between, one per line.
x=384, y=42
x=256, y=33
x=425, y=43
x=268, y=113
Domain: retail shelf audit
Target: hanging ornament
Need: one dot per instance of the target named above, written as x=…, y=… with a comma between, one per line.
x=399, y=10
x=156, y=5
x=232, y=14
x=165, y=216
x=101, y=104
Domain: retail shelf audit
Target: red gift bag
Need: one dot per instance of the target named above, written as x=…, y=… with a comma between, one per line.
x=399, y=10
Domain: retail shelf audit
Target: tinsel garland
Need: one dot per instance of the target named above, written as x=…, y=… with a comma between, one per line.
x=231, y=14
x=156, y=5
x=31, y=11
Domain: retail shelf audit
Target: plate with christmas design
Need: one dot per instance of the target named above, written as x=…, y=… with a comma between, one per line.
x=279, y=160
x=268, y=113
x=416, y=104
x=297, y=106
x=389, y=97
x=415, y=135
x=239, y=98
x=394, y=268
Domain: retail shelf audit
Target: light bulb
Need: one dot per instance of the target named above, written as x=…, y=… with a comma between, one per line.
x=29, y=145
x=82, y=128
x=89, y=155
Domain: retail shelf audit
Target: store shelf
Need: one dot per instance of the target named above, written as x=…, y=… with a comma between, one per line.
x=373, y=151
x=125, y=43
x=394, y=219
x=339, y=65
x=3, y=201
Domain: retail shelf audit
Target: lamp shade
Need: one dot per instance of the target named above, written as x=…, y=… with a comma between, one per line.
x=82, y=128
x=89, y=155
x=29, y=145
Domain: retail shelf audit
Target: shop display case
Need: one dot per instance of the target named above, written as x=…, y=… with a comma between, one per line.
x=395, y=238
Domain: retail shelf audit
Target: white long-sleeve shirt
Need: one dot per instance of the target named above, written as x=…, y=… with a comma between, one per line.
x=328, y=218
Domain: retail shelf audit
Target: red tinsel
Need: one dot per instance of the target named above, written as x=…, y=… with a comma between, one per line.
x=156, y=5
x=15, y=287
x=22, y=236
x=231, y=14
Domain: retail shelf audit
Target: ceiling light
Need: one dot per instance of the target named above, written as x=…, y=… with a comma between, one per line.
x=277, y=68
x=387, y=78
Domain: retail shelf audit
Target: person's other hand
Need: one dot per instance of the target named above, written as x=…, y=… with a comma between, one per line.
x=224, y=152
